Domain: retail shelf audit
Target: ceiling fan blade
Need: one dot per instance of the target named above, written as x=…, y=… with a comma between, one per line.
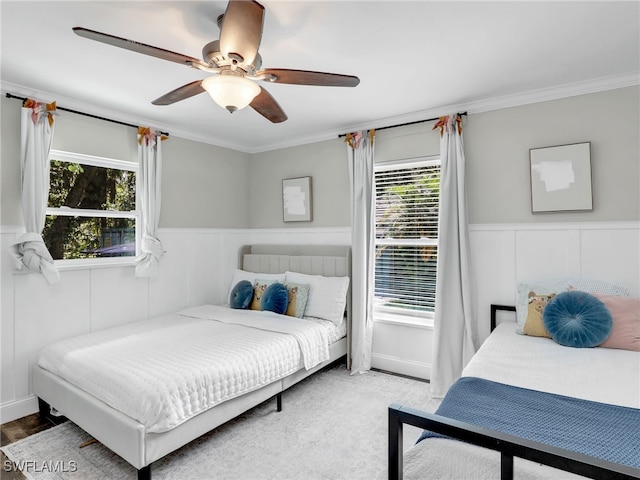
x=267, y=106
x=180, y=93
x=241, y=29
x=304, y=77
x=138, y=47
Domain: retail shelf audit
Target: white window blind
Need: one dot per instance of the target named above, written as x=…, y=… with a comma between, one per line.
x=407, y=196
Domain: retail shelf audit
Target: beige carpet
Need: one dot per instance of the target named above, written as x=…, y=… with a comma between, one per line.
x=333, y=426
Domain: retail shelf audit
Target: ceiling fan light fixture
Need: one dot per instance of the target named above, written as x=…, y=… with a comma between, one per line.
x=231, y=92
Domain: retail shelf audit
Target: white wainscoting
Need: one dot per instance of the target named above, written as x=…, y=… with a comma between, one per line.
x=505, y=254
x=198, y=264
x=404, y=349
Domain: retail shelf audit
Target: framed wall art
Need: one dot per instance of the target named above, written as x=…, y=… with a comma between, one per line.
x=561, y=178
x=296, y=199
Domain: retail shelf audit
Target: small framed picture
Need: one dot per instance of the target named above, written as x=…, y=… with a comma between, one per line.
x=296, y=199
x=561, y=178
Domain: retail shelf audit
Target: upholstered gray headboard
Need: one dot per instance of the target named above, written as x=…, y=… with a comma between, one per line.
x=330, y=261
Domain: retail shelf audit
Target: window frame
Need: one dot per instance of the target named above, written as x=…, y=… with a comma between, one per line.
x=395, y=315
x=104, y=162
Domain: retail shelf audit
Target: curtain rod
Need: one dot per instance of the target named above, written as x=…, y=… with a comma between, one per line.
x=405, y=124
x=10, y=95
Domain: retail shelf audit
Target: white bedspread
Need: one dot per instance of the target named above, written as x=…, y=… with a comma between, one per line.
x=604, y=375
x=166, y=370
x=313, y=340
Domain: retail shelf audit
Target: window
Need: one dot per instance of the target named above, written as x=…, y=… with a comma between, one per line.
x=91, y=210
x=406, y=239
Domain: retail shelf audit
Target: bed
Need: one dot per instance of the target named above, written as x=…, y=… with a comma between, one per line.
x=147, y=388
x=560, y=412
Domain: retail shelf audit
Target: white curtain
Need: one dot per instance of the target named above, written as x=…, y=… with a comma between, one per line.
x=149, y=192
x=455, y=332
x=361, y=151
x=29, y=251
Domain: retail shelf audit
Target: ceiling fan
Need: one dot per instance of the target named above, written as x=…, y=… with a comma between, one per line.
x=235, y=61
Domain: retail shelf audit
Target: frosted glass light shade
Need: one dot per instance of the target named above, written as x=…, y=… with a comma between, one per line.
x=230, y=92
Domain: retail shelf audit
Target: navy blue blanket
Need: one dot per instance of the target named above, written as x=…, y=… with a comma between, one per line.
x=608, y=432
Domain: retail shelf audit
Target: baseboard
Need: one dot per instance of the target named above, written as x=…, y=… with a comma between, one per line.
x=15, y=409
x=403, y=367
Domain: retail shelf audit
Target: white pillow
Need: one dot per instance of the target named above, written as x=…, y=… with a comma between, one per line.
x=327, y=295
x=251, y=277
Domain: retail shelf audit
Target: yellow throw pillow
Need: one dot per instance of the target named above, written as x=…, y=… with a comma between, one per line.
x=258, y=290
x=533, y=324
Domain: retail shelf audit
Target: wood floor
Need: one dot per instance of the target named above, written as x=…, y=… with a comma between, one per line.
x=17, y=430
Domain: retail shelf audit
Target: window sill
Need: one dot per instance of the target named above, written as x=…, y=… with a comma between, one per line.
x=403, y=320
x=90, y=264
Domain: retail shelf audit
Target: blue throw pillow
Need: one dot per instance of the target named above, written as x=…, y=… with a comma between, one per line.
x=241, y=294
x=577, y=319
x=275, y=298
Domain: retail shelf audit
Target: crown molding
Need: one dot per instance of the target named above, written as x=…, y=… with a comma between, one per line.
x=480, y=106
x=508, y=101
x=92, y=109
x=554, y=93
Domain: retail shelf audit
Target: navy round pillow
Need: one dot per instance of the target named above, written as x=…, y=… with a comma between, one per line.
x=241, y=294
x=275, y=298
x=577, y=319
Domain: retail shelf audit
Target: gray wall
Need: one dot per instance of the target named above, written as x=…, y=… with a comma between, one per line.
x=212, y=187
x=497, y=147
x=325, y=162
x=203, y=186
x=10, y=209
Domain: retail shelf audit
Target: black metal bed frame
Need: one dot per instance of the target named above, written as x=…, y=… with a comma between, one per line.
x=509, y=446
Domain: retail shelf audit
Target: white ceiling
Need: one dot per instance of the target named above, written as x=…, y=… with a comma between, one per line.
x=415, y=60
